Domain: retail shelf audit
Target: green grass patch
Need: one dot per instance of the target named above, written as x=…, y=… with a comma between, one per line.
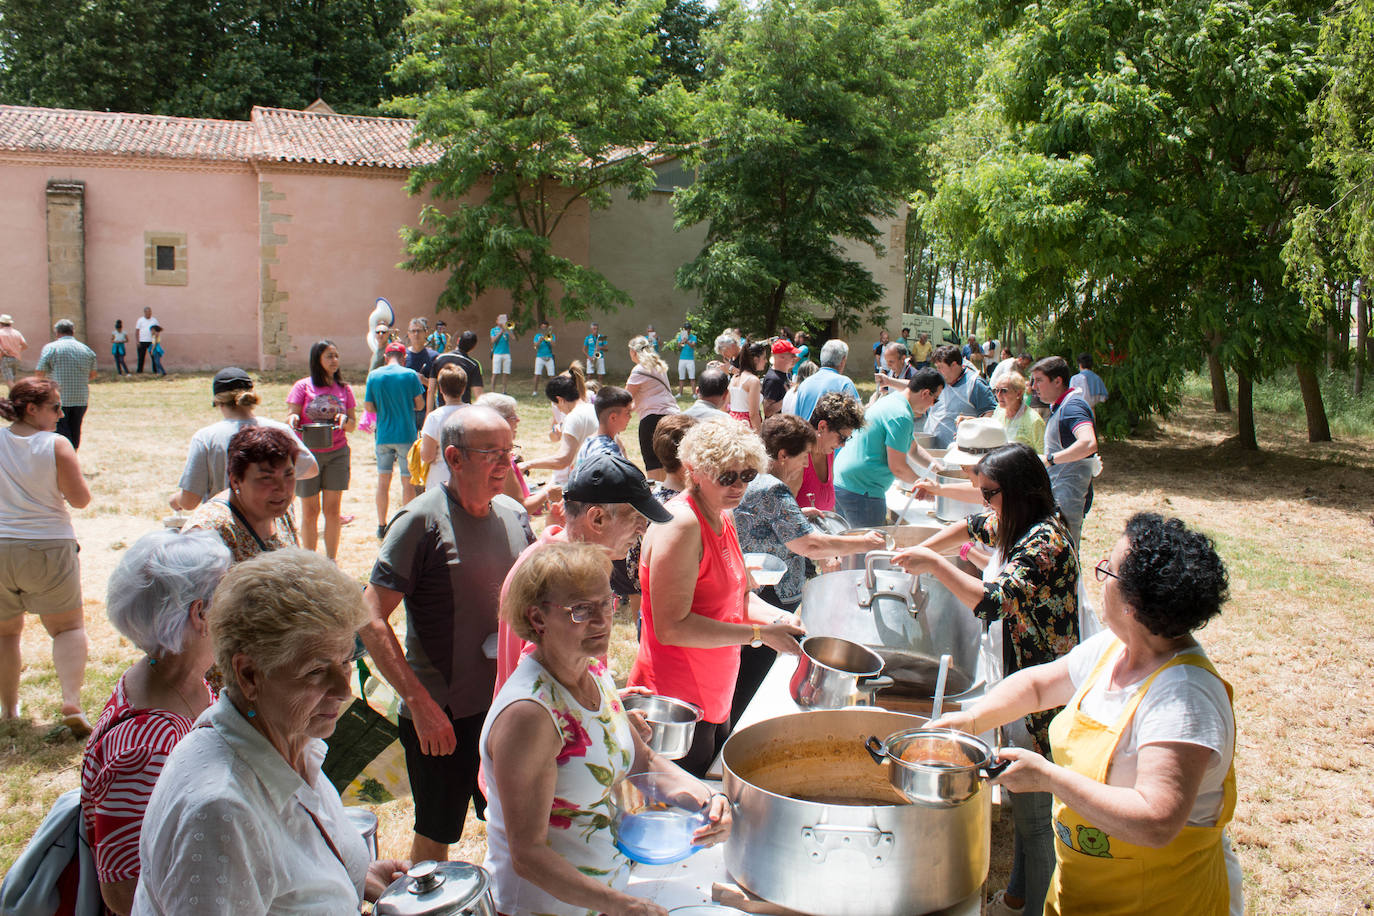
x=1350, y=415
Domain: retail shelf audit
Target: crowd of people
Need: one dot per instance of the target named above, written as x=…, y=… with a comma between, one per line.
x=202, y=788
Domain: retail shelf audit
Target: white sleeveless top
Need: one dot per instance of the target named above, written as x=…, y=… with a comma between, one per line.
x=31, y=505
x=598, y=749
x=739, y=398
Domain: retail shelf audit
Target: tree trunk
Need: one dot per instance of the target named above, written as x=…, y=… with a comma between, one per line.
x=1318, y=429
x=1360, y=306
x=1245, y=411
x=1221, y=396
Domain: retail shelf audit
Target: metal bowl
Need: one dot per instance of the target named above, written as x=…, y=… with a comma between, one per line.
x=831, y=523
x=673, y=722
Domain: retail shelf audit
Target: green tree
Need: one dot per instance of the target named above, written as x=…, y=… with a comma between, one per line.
x=206, y=58
x=814, y=128
x=1157, y=154
x=679, y=35
x=536, y=111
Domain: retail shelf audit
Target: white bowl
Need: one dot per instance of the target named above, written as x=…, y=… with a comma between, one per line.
x=765, y=568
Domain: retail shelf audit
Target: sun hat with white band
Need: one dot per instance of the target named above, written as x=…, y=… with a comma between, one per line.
x=974, y=439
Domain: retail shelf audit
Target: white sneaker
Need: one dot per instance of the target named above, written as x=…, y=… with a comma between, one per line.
x=998, y=906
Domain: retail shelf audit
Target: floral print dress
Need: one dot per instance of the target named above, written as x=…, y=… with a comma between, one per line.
x=598, y=749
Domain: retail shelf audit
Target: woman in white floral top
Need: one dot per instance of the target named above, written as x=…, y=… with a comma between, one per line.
x=555, y=740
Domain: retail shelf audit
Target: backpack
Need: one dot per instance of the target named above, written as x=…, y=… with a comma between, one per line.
x=39, y=881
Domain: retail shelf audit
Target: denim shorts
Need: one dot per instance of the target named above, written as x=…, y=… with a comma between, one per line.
x=389, y=454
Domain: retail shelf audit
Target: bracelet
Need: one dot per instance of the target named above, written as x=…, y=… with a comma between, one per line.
x=963, y=551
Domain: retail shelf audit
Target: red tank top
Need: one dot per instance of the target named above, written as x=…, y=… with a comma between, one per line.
x=816, y=493
x=705, y=677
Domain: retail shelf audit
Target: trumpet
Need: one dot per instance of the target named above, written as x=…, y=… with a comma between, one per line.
x=510, y=325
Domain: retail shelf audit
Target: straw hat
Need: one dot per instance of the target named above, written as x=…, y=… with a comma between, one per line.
x=974, y=439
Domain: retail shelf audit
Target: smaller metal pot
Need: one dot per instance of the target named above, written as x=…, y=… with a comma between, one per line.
x=830, y=523
x=673, y=722
x=953, y=510
x=317, y=436
x=439, y=889
x=935, y=766
x=366, y=824
x=834, y=673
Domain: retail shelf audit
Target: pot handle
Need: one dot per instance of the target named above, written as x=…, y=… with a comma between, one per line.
x=872, y=685
x=876, y=749
x=993, y=770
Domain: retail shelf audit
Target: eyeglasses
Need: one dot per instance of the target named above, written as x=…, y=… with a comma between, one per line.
x=730, y=478
x=601, y=609
x=989, y=493
x=494, y=454
x=1103, y=571
x=845, y=436
x=1001, y=391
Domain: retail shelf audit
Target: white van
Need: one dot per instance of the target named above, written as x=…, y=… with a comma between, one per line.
x=939, y=330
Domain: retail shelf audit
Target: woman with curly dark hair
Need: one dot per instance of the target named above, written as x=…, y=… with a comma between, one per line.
x=835, y=419
x=1142, y=774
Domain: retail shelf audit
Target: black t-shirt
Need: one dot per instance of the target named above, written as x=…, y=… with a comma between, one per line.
x=421, y=362
x=774, y=385
x=464, y=362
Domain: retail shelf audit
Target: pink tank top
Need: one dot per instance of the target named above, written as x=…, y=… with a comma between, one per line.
x=816, y=493
x=705, y=677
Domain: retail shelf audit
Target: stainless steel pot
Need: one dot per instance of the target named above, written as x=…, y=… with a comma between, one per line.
x=673, y=722
x=366, y=823
x=439, y=889
x=818, y=827
x=910, y=643
x=317, y=436
x=935, y=766
x=898, y=537
x=953, y=510
x=833, y=673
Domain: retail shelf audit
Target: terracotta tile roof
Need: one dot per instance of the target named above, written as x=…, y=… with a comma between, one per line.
x=287, y=135
x=52, y=130
x=273, y=135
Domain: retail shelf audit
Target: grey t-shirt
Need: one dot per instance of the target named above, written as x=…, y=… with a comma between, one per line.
x=206, y=471
x=449, y=566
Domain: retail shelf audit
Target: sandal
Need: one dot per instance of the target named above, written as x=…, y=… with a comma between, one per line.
x=346, y=519
x=78, y=723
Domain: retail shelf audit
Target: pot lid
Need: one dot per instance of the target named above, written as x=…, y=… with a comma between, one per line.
x=434, y=889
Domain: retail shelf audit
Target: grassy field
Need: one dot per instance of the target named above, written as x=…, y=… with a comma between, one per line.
x=1293, y=522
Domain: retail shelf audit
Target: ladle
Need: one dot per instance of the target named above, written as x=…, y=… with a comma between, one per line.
x=938, y=701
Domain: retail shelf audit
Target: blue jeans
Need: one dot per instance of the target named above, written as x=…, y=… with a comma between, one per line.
x=859, y=510
x=1032, y=850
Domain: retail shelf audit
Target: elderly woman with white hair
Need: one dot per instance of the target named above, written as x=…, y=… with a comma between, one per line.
x=157, y=599
x=242, y=820
x=698, y=610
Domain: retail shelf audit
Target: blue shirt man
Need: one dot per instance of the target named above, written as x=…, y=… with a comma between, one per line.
x=821, y=383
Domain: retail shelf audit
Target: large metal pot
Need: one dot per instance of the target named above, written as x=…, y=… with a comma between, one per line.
x=439, y=889
x=819, y=829
x=673, y=723
x=833, y=673
x=953, y=510
x=935, y=766
x=898, y=537
x=910, y=641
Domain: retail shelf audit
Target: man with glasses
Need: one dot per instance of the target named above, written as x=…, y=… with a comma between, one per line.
x=446, y=554
x=420, y=358
x=607, y=502
x=877, y=454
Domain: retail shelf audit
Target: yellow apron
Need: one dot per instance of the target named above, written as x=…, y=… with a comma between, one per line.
x=1101, y=875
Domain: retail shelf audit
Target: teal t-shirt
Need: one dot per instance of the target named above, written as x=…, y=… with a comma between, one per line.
x=392, y=390
x=500, y=343
x=689, y=344
x=543, y=345
x=862, y=464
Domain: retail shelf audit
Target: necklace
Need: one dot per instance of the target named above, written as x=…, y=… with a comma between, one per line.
x=190, y=708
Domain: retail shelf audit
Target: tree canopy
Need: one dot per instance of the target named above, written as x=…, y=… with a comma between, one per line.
x=537, y=110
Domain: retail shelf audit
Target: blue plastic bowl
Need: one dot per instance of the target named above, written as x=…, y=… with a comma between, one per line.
x=656, y=816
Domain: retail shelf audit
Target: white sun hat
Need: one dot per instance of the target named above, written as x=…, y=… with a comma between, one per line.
x=974, y=439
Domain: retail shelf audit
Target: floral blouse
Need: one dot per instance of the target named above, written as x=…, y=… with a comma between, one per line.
x=1036, y=597
x=215, y=515
x=766, y=519
x=598, y=749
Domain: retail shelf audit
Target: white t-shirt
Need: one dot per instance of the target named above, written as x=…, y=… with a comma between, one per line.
x=434, y=426
x=580, y=424
x=145, y=329
x=1185, y=704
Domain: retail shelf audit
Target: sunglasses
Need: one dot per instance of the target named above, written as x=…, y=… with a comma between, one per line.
x=1001, y=391
x=730, y=478
x=989, y=493
x=602, y=609
x=1103, y=571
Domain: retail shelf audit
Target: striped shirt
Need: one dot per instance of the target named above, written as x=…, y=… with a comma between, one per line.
x=70, y=363
x=117, y=776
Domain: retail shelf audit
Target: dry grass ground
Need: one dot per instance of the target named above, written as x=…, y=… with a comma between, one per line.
x=1293, y=522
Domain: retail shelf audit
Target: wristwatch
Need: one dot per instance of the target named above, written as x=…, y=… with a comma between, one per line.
x=1049, y=460
x=757, y=641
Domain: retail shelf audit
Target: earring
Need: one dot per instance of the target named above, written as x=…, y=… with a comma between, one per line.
x=252, y=713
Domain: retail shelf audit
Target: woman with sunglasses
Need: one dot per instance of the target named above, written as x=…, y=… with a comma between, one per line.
x=697, y=607
x=1029, y=590
x=554, y=742
x=1021, y=423
x=1142, y=773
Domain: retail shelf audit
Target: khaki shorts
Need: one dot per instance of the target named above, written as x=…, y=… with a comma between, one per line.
x=335, y=466
x=38, y=577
